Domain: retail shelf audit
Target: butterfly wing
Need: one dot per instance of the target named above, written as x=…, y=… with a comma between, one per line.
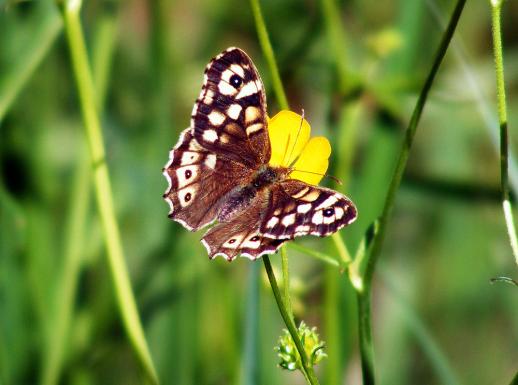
x=296, y=208
x=198, y=181
x=229, y=116
x=241, y=235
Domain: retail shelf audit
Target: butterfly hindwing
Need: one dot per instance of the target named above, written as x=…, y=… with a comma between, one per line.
x=229, y=116
x=241, y=235
x=198, y=180
x=297, y=208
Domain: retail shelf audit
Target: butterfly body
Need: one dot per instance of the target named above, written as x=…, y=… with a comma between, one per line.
x=220, y=171
x=242, y=196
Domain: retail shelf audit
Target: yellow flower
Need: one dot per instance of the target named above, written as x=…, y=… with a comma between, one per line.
x=293, y=148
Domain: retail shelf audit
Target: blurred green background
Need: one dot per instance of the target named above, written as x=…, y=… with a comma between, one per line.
x=356, y=68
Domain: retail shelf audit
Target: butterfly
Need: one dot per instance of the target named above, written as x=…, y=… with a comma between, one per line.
x=219, y=171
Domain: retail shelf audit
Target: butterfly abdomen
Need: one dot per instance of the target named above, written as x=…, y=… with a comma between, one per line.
x=236, y=200
x=241, y=197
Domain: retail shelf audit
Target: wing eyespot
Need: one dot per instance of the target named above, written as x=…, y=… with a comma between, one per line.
x=328, y=212
x=236, y=81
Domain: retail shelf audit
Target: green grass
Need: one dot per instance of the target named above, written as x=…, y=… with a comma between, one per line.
x=75, y=309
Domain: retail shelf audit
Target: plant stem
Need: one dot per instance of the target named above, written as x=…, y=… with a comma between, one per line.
x=266, y=46
x=315, y=254
x=308, y=369
x=364, y=297
x=117, y=266
x=496, y=6
x=286, y=281
x=251, y=365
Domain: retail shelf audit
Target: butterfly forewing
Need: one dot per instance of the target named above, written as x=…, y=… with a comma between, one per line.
x=296, y=208
x=229, y=117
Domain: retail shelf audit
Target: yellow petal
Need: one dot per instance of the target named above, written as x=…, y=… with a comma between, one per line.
x=287, y=137
x=313, y=161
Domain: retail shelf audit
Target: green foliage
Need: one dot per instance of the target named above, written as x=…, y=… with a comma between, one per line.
x=356, y=68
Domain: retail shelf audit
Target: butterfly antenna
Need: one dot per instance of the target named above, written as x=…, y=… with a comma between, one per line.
x=334, y=178
x=297, y=137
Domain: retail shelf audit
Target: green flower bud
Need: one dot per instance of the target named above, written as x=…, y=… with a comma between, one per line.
x=287, y=351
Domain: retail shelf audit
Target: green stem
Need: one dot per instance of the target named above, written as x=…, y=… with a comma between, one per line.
x=286, y=281
x=266, y=46
x=251, y=364
x=364, y=305
x=80, y=199
x=316, y=254
x=496, y=7
x=117, y=266
x=289, y=322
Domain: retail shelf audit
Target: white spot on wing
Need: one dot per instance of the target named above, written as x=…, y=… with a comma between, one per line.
x=252, y=113
x=272, y=222
x=328, y=220
x=210, y=136
x=328, y=202
x=208, y=98
x=216, y=118
x=302, y=229
x=339, y=212
x=182, y=172
x=236, y=68
x=248, y=243
x=254, y=128
x=226, y=89
x=182, y=196
x=288, y=220
x=248, y=89
x=303, y=209
x=318, y=218
x=210, y=161
x=189, y=157
x=233, y=242
x=234, y=110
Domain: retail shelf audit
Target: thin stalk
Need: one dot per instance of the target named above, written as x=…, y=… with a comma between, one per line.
x=496, y=6
x=308, y=369
x=266, y=46
x=316, y=254
x=80, y=199
x=352, y=267
x=250, y=374
x=286, y=281
x=117, y=266
x=364, y=297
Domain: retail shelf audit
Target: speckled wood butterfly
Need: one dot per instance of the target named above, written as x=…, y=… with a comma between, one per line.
x=219, y=170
